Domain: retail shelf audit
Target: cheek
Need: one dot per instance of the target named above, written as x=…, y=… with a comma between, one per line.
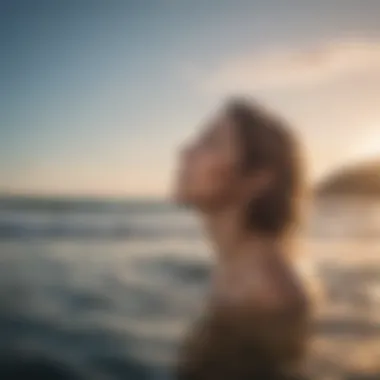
x=215, y=175
x=209, y=178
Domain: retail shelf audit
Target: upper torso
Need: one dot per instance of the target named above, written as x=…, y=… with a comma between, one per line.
x=255, y=325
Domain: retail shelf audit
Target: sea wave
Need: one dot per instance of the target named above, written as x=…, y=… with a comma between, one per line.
x=11, y=229
x=89, y=220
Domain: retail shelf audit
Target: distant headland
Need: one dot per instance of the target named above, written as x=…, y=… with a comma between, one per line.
x=362, y=180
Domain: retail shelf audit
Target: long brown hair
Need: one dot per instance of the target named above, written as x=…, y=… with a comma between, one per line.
x=268, y=143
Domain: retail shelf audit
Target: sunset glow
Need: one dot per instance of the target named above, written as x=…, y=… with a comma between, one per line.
x=97, y=99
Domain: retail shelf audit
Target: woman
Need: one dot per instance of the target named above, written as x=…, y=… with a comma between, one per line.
x=242, y=174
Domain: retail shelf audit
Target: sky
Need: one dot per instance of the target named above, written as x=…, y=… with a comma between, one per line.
x=96, y=96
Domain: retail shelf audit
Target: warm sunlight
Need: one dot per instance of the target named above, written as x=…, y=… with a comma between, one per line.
x=368, y=147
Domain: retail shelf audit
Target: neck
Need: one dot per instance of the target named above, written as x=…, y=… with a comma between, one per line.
x=231, y=239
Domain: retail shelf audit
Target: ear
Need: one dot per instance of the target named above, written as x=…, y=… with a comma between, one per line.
x=259, y=182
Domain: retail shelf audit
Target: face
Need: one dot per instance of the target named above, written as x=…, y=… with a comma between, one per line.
x=209, y=174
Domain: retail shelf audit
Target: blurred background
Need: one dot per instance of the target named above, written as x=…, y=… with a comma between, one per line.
x=99, y=273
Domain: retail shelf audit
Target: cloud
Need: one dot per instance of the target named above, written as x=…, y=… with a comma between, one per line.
x=288, y=68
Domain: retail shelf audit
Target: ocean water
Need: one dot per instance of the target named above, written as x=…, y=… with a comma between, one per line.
x=99, y=289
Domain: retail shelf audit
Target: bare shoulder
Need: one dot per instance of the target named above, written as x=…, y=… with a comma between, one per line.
x=275, y=290
x=274, y=311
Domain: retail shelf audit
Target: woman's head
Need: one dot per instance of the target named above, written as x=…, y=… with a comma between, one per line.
x=247, y=158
